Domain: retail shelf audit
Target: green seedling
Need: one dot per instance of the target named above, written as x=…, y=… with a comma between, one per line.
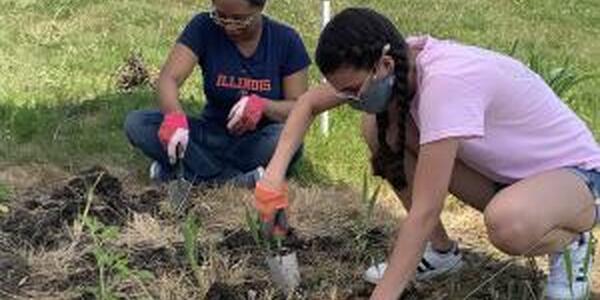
x=569, y=268
x=567, y=257
x=191, y=227
x=4, y=192
x=254, y=225
x=112, y=264
x=363, y=224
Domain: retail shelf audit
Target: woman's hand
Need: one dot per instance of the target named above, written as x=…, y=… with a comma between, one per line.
x=246, y=113
x=174, y=135
x=272, y=202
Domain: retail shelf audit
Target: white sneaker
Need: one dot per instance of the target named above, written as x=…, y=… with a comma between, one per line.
x=155, y=171
x=582, y=258
x=433, y=263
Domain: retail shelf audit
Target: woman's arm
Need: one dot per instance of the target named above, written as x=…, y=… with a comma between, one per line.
x=432, y=178
x=175, y=71
x=294, y=85
x=310, y=104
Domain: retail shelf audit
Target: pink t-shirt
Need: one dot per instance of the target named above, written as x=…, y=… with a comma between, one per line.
x=510, y=122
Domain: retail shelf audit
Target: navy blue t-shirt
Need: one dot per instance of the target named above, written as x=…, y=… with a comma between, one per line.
x=228, y=74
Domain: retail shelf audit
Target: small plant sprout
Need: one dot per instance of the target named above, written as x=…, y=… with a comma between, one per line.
x=191, y=228
x=112, y=264
x=254, y=225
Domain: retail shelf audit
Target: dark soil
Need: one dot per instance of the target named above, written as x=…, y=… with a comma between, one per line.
x=42, y=221
x=223, y=291
x=14, y=269
x=162, y=259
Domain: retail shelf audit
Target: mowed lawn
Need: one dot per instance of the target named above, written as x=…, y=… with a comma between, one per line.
x=59, y=104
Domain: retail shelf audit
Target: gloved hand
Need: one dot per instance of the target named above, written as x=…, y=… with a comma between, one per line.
x=174, y=131
x=245, y=114
x=272, y=204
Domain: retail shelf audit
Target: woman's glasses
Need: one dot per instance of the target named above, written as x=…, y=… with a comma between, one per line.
x=237, y=22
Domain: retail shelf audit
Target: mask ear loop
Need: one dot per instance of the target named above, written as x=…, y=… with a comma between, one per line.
x=386, y=48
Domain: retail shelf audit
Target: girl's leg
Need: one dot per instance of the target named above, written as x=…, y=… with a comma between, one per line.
x=521, y=213
x=541, y=214
x=467, y=184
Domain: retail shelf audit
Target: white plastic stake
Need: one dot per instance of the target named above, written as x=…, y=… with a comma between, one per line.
x=325, y=17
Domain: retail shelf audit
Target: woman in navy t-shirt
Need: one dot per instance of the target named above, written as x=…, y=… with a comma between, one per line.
x=253, y=69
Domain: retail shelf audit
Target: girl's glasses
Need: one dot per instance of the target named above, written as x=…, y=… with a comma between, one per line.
x=355, y=97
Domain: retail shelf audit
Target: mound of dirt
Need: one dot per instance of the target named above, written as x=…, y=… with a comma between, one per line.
x=14, y=271
x=162, y=259
x=42, y=220
x=244, y=291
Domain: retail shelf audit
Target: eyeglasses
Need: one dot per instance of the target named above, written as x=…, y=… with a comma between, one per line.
x=238, y=22
x=355, y=97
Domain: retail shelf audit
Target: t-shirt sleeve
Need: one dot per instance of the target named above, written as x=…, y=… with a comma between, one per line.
x=450, y=107
x=296, y=57
x=194, y=33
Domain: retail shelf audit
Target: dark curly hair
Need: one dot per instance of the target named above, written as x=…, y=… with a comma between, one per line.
x=259, y=3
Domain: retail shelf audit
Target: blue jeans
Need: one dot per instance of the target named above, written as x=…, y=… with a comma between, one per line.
x=213, y=155
x=592, y=180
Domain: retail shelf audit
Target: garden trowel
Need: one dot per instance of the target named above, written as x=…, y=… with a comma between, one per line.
x=283, y=265
x=179, y=188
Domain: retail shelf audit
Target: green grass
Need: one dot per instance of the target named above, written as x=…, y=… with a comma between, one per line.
x=4, y=192
x=59, y=104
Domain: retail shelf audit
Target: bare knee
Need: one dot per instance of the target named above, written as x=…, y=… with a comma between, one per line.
x=507, y=228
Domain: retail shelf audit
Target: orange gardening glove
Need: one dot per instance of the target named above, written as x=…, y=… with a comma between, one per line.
x=272, y=204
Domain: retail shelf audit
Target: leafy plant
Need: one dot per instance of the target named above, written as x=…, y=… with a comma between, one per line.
x=268, y=244
x=362, y=225
x=562, y=80
x=368, y=201
x=589, y=256
x=112, y=264
x=191, y=228
x=4, y=193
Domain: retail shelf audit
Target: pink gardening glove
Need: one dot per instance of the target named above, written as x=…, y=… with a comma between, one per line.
x=174, y=131
x=245, y=114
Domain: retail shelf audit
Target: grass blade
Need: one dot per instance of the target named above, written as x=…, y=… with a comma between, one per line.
x=569, y=268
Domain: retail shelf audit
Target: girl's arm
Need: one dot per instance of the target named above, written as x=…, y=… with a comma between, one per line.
x=309, y=105
x=430, y=188
x=294, y=86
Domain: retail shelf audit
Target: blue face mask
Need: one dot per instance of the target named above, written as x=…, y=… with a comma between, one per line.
x=376, y=97
x=378, y=93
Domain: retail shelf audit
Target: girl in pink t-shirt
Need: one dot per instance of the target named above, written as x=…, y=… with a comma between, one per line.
x=439, y=117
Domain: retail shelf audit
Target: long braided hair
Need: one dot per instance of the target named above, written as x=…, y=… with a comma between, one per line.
x=355, y=38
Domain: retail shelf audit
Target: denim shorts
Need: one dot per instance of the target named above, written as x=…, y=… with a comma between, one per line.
x=592, y=180
x=590, y=177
